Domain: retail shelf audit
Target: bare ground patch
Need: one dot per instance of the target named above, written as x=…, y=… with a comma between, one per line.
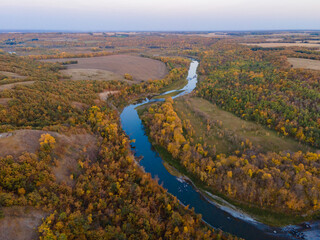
x=12, y=85
x=20, y=223
x=140, y=68
x=304, y=63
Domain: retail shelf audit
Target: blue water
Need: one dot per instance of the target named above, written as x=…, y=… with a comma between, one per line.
x=187, y=195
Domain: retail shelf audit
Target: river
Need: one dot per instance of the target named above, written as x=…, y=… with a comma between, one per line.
x=217, y=216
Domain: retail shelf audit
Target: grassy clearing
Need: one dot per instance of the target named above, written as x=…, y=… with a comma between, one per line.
x=262, y=138
x=304, y=63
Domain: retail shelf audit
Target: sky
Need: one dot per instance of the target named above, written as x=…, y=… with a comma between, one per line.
x=159, y=15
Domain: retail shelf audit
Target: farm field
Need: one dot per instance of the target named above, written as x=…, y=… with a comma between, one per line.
x=305, y=63
x=140, y=68
x=271, y=45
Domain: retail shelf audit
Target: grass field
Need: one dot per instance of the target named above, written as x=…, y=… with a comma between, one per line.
x=305, y=63
x=140, y=68
x=198, y=110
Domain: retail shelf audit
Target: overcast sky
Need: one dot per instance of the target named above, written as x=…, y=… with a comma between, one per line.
x=155, y=15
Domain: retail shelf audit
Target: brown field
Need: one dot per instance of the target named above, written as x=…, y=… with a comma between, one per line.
x=140, y=68
x=268, y=45
x=20, y=223
x=68, y=148
x=12, y=85
x=305, y=63
x=92, y=74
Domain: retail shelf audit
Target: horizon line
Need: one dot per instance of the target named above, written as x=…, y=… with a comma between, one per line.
x=146, y=31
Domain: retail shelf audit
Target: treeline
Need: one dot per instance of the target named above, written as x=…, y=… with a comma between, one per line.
x=29, y=68
x=259, y=86
x=286, y=182
x=70, y=55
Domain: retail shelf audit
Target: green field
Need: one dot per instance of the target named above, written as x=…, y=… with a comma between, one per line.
x=198, y=110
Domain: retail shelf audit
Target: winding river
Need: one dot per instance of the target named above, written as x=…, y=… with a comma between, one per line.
x=221, y=217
